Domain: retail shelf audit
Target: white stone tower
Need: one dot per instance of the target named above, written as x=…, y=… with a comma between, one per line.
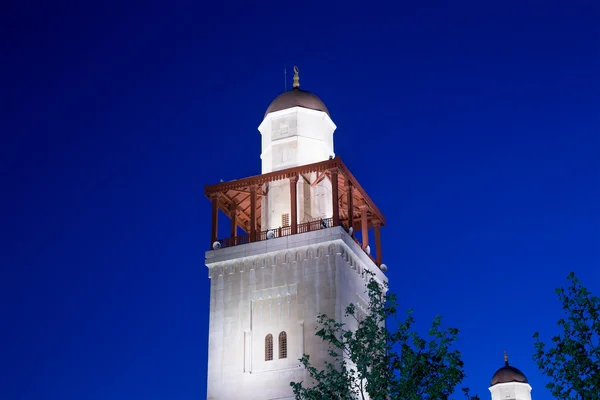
x=509, y=383
x=296, y=258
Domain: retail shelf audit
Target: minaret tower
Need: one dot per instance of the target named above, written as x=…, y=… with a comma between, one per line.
x=303, y=250
x=509, y=383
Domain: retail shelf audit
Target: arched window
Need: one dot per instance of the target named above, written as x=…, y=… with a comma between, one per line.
x=283, y=345
x=269, y=347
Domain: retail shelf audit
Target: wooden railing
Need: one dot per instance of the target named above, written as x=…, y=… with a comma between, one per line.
x=234, y=241
x=368, y=254
x=278, y=232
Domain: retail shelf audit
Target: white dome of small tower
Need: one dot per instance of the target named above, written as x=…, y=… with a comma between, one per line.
x=296, y=130
x=509, y=383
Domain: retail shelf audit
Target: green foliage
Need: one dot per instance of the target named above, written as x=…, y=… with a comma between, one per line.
x=573, y=360
x=374, y=362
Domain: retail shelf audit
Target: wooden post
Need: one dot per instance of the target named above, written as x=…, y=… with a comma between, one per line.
x=365, y=226
x=377, y=226
x=214, y=233
x=350, y=202
x=334, y=196
x=253, y=213
x=294, y=203
x=233, y=216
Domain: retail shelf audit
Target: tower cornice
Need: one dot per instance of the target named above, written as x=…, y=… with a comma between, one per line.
x=281, y=252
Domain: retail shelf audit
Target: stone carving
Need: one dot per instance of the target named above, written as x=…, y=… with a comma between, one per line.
x=268, y=262
x=278, y=259
x=287, y=258
x=274, y=292
x=321, y=252
x=332, y=249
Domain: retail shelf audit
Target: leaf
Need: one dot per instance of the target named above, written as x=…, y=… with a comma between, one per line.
x=573, y=360
x=373, y=361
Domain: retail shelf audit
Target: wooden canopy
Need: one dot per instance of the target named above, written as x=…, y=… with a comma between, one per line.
x=240, y=200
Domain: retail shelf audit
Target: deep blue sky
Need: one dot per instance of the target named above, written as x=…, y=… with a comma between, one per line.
x=475, y=128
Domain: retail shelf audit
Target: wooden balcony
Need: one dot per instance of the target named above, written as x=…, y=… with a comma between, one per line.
x=287, y=231
x=277, y=233
x=240, y=200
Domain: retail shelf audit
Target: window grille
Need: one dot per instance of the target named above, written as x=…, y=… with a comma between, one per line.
x=269, y=347
x=283, y=345
x=285, y=220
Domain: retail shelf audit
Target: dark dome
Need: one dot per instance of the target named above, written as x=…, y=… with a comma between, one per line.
x=508, y=374
x=296, y=97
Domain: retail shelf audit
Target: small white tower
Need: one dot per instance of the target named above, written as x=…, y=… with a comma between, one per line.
x=509, y=383
x=296, y=130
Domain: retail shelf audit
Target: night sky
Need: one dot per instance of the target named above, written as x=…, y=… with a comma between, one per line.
x=474, y=128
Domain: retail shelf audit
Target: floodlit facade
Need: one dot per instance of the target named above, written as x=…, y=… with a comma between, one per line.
x=298, y=255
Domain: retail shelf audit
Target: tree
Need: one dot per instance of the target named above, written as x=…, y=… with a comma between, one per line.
x=573, y=361
x=374, y=362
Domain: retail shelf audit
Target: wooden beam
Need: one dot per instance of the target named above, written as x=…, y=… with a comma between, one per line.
x=253, y=213
x=232, y=200
x=334, y=196
x=357, y=224
x=234, y=197
x=346, y=172
x=214, y=232
x=248, y=191
x=364, y=225
x=294, y=204
x=377, y=225
x=318, y=179
x=244, y=183
x=350, y=205
x=233, y=216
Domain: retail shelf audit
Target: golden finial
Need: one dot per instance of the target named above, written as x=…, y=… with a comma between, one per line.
x=505, y=358
x=296, y=78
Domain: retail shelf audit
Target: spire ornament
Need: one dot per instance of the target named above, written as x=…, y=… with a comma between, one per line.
x=296, y=78
x=505, y=358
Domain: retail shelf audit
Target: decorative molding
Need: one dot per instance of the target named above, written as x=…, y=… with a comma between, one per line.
x=275, y=293
x=362, y=306
x=287, y=257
